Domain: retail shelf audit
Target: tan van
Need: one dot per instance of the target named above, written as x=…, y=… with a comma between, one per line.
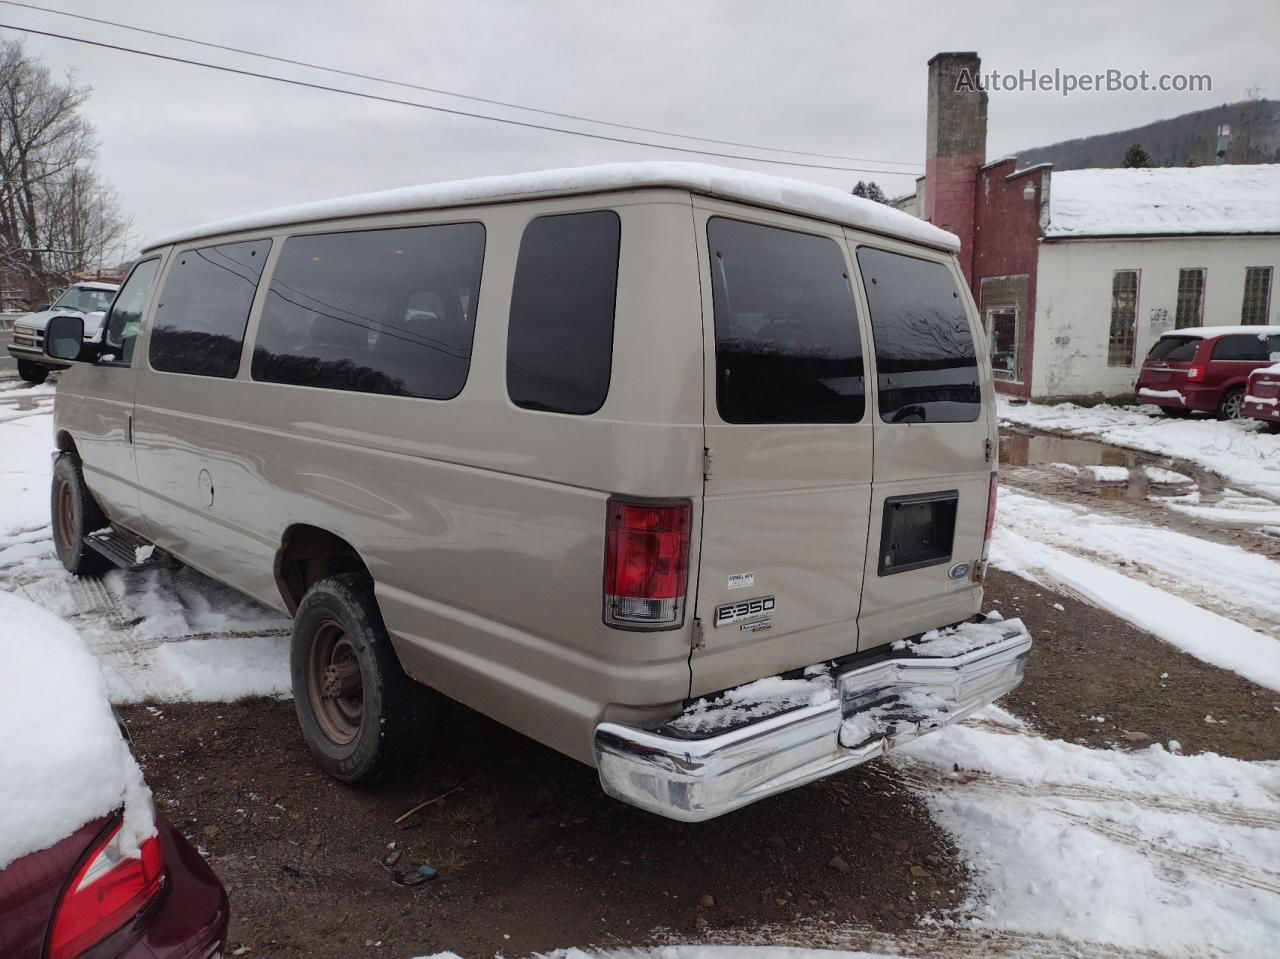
x=685, y=472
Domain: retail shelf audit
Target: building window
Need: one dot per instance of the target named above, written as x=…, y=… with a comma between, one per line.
x=1124, y=315
x=1190, y=298
x=1257, y=296
x=1003, y=325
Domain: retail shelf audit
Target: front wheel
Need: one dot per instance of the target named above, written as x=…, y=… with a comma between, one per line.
x=1232, y=404
x=361, y=715
x=74, y=515
x=32, y=372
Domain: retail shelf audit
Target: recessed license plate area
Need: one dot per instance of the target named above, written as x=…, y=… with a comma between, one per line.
x=917, y=531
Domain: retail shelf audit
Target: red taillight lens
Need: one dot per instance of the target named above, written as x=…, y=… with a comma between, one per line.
x=991, y=515
x=1195, y=372
x=646, y=565
x=108, y=891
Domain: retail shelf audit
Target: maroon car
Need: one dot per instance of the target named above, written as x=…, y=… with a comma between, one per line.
x=1205, y=368
x=79, y=878
x=1262, y=397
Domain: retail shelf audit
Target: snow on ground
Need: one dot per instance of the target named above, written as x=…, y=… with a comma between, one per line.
x=1206, y=635
x=1228, y=580
x=158, y=634
x=1236, y=450
x=64, y=761
x=1233, y=507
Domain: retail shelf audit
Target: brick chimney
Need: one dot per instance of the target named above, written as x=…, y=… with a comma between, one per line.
x=956, y=147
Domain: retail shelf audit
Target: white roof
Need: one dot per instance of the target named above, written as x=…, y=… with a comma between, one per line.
x=1206, y=331
x=1166, y=201
x=780, y=193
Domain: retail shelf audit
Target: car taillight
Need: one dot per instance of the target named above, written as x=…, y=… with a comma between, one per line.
x=646, y=565
x=991, y=516
x=109, y=890
x=1195, y=372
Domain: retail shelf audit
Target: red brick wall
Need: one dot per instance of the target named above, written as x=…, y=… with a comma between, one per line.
x=949, y=200
x=1006, y=241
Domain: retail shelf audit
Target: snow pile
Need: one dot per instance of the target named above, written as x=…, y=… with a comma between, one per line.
x=64, y=762
x=1109, y=474
x=1233, y=198
x=1232, y=507
x=1143, y=851
x=798, y=196
x=764, y=697
x=1237, y=450
x=1240, y=581
x=1164, y=477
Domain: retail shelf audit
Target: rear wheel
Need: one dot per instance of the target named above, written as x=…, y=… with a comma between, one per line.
x=74, y=515
x=1231, y=405
x=361, y=715
x=32, y=372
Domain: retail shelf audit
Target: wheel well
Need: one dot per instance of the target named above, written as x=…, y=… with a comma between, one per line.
x=308, y=554
x=65, y=443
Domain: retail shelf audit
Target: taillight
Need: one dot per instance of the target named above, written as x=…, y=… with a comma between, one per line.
x=646, y=565
x=1195, y=372
x=109, y=890
x=991, y=516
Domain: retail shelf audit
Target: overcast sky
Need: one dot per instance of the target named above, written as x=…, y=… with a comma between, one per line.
x=183, y=144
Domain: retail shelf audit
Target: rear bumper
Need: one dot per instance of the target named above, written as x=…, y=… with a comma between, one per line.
x=1261, y=408
x=1185, y=396
x=869, y=709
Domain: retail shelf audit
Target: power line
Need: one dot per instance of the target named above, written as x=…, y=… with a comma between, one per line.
x=438, y=109
x=450, y=93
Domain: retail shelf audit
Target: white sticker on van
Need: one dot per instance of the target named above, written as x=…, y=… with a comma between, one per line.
x=741, y=580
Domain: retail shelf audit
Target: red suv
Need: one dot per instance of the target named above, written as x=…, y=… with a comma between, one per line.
x=1205, y=368
x=1262, y=399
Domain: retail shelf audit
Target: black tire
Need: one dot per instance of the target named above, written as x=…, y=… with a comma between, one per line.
x=337, y=628
x=74, y=515
x=1174, y=412
x=1230, y=406
x=32, y=372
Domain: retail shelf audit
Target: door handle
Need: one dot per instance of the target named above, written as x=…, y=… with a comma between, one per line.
x=129, y=426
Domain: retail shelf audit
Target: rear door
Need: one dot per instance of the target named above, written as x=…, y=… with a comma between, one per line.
x=934, y=443
x=1166, y=365
x=789, y=446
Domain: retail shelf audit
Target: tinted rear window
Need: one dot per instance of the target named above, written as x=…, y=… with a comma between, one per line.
x=378, y=311
x=203, y=309
x=1175, y=349
x=787, y=343
x=1249, y=346
x=925, y=360
x=560, y=333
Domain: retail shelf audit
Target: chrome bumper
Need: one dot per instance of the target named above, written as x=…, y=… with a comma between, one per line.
x=871, y=709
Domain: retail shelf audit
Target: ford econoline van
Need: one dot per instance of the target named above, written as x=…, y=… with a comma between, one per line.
x=686, y=472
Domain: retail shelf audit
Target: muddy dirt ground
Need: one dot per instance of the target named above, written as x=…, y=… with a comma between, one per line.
x=532, y=856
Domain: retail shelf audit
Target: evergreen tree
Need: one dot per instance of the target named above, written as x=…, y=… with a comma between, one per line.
x=1137, y=156
x=870, y=191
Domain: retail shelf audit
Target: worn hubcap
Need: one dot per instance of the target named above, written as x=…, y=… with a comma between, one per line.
x=66, y=517
x=1233, y=406
x=334, y=684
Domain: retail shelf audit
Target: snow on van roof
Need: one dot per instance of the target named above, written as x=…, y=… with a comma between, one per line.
x=781, y=193
x=1164, y=201
x=1206, y=331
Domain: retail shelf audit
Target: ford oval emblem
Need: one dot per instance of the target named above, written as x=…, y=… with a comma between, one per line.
x=958, y=571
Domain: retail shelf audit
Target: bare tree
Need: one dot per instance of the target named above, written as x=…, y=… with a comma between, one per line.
x=56, y=217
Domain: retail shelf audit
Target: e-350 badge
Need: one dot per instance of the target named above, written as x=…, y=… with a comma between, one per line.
x=747, y=609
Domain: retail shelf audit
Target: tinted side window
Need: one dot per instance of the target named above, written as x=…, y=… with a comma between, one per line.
x=560, y=334
x=204, y=306
x=1175, y=349
x=125, y=319
x=1247, y=347
x=925, y=360
x=787, y=343
x=378, y=311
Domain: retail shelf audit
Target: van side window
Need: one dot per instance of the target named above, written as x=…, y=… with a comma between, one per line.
x=375, y=311
x=560, y=333
x=787, y=343
x=925, y=360
x=1249, y=346
x=204, y=307
x=125, y=318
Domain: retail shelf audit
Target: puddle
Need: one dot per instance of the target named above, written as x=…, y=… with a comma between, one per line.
x=1046, y=451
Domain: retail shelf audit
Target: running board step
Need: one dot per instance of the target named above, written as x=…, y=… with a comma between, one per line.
x=127, y=550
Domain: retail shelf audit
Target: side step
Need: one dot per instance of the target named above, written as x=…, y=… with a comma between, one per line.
x=125, y=549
